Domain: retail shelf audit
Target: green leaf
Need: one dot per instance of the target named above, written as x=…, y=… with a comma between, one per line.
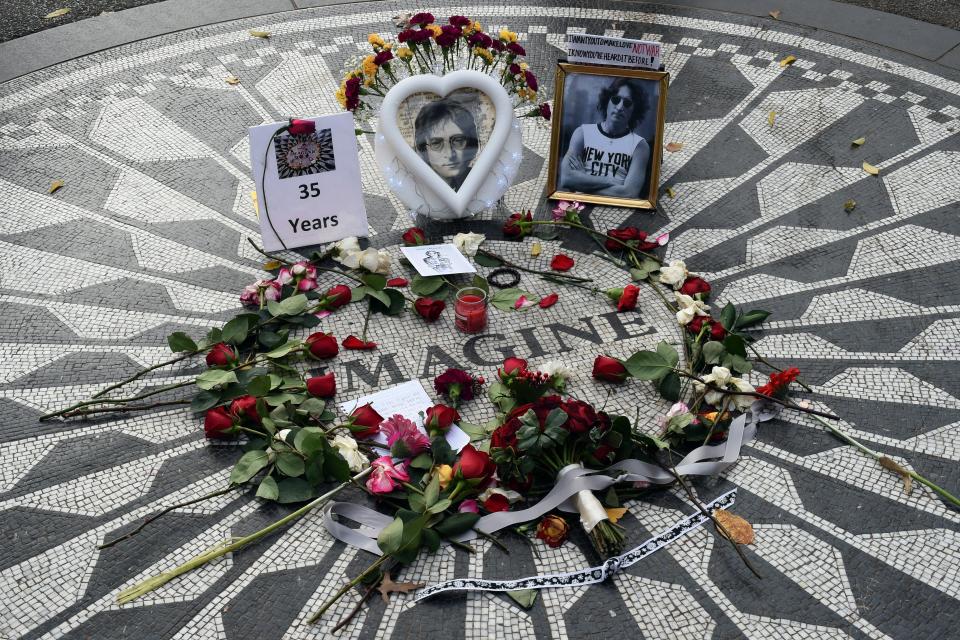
x=204, y=400
x=294, y=490
x=374, y=280
x=259, y=386
x=283, y=349
x=524, y=597
x=292, y=306
x=268, y=489
x=431, y=540
x=290, y=464
x=647, y=365
x=235, y=331
x=397, y=302
x=735, y=346
x=248, y=465
x=670, y=386
x=432, y=493
x=456, y=524
x=380, y=296
x=751, y=318
x=422, y=461
x=336, y=466
x=417, y=503
x=668, y=353
x=270, y=340
x=180, y=342
x=312, y=406
x=737, y=363
x=500, y=396
x=556, y=418
x=442, y=453
x=484, y=260
x=410, y=542
x=728, y=316
x=358, y=293
x=426, y=285
x=506, y=298
x=712, y=352
x=440, y=506
x=215, y=378
x=481, y=283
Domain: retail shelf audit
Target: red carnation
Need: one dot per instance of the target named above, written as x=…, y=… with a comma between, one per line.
x=324, y=386
x=531, y=80
x=383, y=57
x=609, y=369
x=429, y=308
x=422, y=19
x=414, y=237
x=779, y=381
x=628, y=299
x=516, y=49
x=322, y=345
x=217, y=424
x=460, y=21
x=561, y=262
x=356, y=344
x=497, y=45
x=514, y=69
x=545, y=111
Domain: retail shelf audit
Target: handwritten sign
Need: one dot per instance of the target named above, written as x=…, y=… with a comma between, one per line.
x=308, y=186
x=587, y=49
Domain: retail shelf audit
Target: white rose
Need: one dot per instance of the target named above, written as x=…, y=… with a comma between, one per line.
x=350, y=260
x=722, y=377
x=674, y=274
x=347, y=447
x=345, y=247
x=468, y=243
x=383, y=262
x=557, y=369
x=689, y=308
x=369, y=259
x=742, y=402
x=511, y=496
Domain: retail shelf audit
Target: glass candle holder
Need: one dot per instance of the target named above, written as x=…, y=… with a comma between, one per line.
x=470, y=310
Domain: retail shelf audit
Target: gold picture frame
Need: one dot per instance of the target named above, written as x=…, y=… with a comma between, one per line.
x=596, y=174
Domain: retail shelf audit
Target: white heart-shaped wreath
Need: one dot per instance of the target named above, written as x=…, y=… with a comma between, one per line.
x=483, y=185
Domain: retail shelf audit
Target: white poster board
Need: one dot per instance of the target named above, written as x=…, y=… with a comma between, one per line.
x=583, y=48
x=311, y=188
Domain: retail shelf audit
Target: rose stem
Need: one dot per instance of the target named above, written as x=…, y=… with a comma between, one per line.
x=775, y=368
x=124, y=409
x=754, y=394
x=373, y=567
x=148, y=585
x=157, y=515
x=877, y=456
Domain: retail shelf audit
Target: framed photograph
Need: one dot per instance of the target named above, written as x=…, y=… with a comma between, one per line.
x=607, y=138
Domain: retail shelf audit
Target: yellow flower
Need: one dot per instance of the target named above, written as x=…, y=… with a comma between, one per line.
x=476, y=26
x=523, y=93
x=445, y=473
x=484, y=54
x=434, y=29
x=524, y=66
x=342, y=96
x=369, y=67
x=404, y=53
x=507, y=35
x=375, y=40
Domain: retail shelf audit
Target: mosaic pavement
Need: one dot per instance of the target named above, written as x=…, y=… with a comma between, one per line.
x=148, y=237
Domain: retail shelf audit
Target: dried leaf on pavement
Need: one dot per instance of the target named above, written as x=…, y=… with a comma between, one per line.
x=535, y=249
x=849, y=205
x=775, y=14
x=788, y=61
x=388, y=586
x=55, y=186
x=739, y=529
x=271, y=265
x=260, y=34
x=232, y=80
x=772, y=118
x=56, y=14
x=869, y=168
x=891, y=464
x=615, y=513
x=671, y=192
x=858, y=142
x=673, y=147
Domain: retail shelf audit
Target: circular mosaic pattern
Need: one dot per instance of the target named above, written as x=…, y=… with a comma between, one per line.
x=148, y=234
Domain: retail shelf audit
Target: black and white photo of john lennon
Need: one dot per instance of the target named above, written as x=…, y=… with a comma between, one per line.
x=608, y=128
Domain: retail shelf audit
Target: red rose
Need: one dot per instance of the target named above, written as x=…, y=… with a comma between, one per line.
x=414, y=237
x=543, y=406
x=609, y=369
x=628, y=299
x=322, y=345
x=548, y=301
x=365, y=421
x=339, y=296
x=561, y=262
x=631, y=236
x=397, y=282
x=245, y=407
x=496, y=502
x=694, y=285
x=514, y=364
x=217, y=424
x=553, y=530
x=324, y=386
x=602, y=453
x=545, y=111
x=531, y=80
x=474, y=465
x=439, y=417
x=356, y=344
x=505, y=435
x=581, y=416
x=301, y=127
x=221, y=355
x=429, y=309
x=717, y=332
x=516, y=225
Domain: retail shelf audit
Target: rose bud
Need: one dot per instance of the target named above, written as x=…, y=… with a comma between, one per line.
x=245, y=407
x=628, y=299
x=221, y=355
x=365, y=421
x=474, y=465
x=322, y=345
x=496, y=502
x=553, y=530
x=324, y=386
x=717, y=332
x=513, y=364
x=339, y=296
x=694, y=285
x=301, y=127
x=429, y=308
x=217, y=424
x=414, y=237
x=439, y=418
x=609, y=369
x=561, y=262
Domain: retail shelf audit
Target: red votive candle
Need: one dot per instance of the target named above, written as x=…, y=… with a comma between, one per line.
x=470, y=310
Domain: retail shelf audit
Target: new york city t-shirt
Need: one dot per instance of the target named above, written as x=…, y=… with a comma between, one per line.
x=605, y=156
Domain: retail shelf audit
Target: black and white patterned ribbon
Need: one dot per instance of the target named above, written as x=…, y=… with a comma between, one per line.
x=590, y=575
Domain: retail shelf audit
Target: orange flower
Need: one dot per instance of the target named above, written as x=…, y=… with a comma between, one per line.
x=553, y=530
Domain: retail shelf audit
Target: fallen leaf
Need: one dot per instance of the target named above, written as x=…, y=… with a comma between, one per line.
x=775, y=14
x=232, y=80
x=772, y=118
x=256, y=205
x=849, y=205
x=260, y=34
x=858, y=142
x=739, y=529
x=891, y=464
x=788, y=61
x=56, y=14
x=55, y=186
x=271, y=265
x=673, y=147
x=869, y=168
x=388, y=586
x=535, y=249
x=614, y=515
x=671, y=192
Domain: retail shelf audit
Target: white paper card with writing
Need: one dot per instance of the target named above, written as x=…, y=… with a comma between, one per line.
x=437, y=260
x=311, y=188
x=408, y=399
x=584, y=48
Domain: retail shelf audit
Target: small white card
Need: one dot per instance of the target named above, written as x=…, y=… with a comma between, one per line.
x=606, y=50
x=437, y=260
x=311, y=191
x=408, y=399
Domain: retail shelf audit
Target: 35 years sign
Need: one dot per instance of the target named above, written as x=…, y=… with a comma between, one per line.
x=308, y=183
